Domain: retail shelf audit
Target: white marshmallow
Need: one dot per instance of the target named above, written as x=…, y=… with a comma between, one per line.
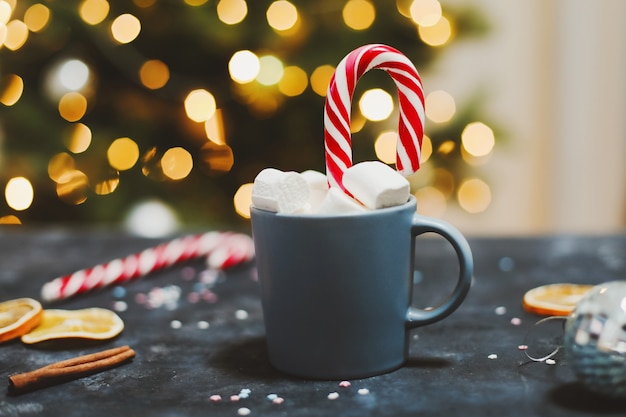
x=318, y=188
x=282, y=192
x=376, y=185
x=338, y=202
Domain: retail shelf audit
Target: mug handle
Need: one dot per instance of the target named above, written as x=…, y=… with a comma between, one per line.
x=421, y=224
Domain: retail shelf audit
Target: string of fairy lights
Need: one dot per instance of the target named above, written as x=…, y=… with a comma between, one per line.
x=261, y=79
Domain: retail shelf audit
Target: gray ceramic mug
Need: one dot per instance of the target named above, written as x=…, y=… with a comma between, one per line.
x=336, y=289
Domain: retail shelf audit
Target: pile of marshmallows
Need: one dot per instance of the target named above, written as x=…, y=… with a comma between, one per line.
x=372, y=184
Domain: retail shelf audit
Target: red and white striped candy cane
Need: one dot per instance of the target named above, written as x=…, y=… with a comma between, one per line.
x=337, y=109
x=222, y=249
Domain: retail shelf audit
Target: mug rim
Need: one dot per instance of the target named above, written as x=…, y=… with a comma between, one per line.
x=412, y=201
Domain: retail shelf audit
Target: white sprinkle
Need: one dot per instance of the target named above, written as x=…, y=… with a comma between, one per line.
x=522, y=347
x=333, y=395
x=215, y=398
x=120, y=306
x=516, y=321
x=363, y=391
x=241, y=314
x=176, y=324
x=278, y=400
x=550, y=361
x=345, y=384
x=244, y=411
x=500, y=311
x=493, y=356
x=203, y=324
x=244, y=393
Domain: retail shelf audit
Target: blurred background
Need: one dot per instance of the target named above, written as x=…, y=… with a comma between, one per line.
x=156, y=115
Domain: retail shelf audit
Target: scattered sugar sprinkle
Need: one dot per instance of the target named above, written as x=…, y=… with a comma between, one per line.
x=550, y=362
x=234, y=398
x=120, y=306
x=345, y=384
x=244, y=411
x=333, y=395
x=272, y=397
x=500, y=310
x=516, y=321
x=202, y=324
x=244, y=393
x=241, y=314
x=493, y=356
x=278, y=400
x=522, y=347
x=363, y=391
x=176, y=324
x=215, y=398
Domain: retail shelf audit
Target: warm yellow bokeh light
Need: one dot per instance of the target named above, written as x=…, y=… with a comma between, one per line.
x=282, y=15
x=5, y=12
x=107, y=186
x=242, y=200
x=3, y=34
x=440, y=106
x=376, y=104
x=244, y=66
x=219, y=159
x=294, y=81
x=430, y=202
x=478, y=139
x=77, y=138
x=446, y=147
x=214, y=128
x=385, y=147
x=123, y=154
x=16, y=35
x=72, y=187
x=11, y=89
x=125, y=28
x=94, y=11
x=10, y=219
x=270, y=71
x=154, y=74
x=195, y=3
x=474, y=195
x=427, y=149
x=72, y=106
x=232, y=12
x=436, y=35
x=320, y=78
x=36, y=17
x=74, y=74
x=59, y=165
x=358, y=14
x=425, y=12
x=444, y=181
x=200, y=105
x=176, y=163
x=19, y=193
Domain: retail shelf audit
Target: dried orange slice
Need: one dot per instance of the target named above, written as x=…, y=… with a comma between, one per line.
x=18, y=317
x=89, y=323
x=554, y=299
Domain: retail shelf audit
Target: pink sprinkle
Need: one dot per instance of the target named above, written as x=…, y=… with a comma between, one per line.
x=215, y=398
x=522, y=347
x=234, y=397
x=278, y=400
x=193, y=297
x=345, y=384
x=516, y=321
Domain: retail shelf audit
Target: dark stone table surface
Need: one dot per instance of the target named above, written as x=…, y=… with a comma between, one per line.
x=181, y=362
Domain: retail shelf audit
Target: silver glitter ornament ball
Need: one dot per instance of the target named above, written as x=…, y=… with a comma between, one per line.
x=595, y=339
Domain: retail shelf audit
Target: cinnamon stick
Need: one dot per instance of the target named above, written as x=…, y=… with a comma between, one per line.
x=69, y=369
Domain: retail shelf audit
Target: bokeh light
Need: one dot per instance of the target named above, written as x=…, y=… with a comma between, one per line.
x=77, y=138
x=436, y=35
x=152, y=219
x=440, y=106
x=123, y=154
x=94, y=11
x=320, y=78
x=10, y=219
x=73, y=74
x=425, y=12
x=376, y=104
x=358, y=14
x=282, y=15
x=200, y=105
x=294, y=81
x=19, y=193
x=214, y=128
x=232, y=12
x=154, y=74
x=16, y=35
x=427, y=149
x=11, y=89
x=243, y=199
x=125, y=28
x=37, y=17
x=430, y=202
x=474, y=195
x=478, y=139
x=108, y=185
x=270, y=70
x=385, y=147
x=218, y=159
x=72, y=106
x=244, y=66
x=5, y=12
x=59, y=165
x=176, y=163
x=72, y=187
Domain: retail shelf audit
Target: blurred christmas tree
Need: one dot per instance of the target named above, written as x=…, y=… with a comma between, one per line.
x=106, y=105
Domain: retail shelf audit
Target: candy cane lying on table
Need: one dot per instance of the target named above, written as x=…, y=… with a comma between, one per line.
x=337, y=137
x=222, y=249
